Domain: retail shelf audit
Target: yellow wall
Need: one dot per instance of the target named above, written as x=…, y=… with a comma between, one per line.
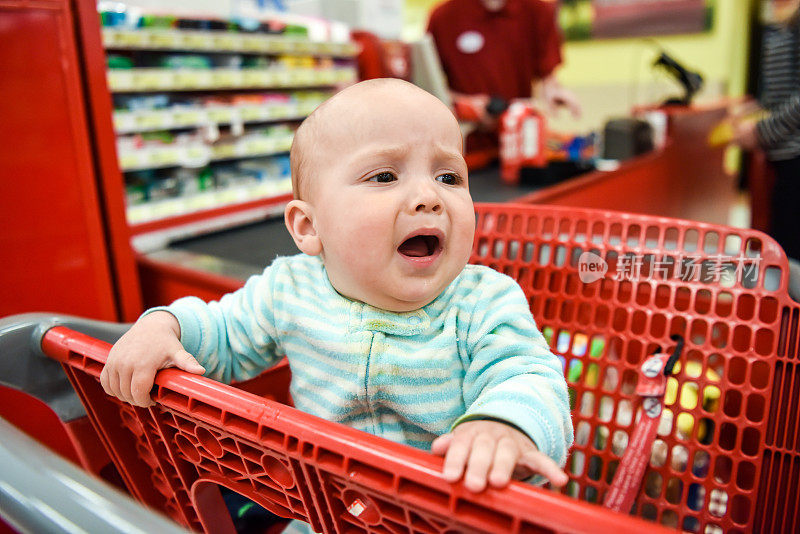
x=611, y=76
x=720, y=55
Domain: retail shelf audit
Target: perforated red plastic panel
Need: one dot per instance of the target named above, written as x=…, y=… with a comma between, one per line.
x=723, y=290
x=727, y=457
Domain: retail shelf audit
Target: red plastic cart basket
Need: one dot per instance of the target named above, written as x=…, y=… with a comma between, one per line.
x=727, y=454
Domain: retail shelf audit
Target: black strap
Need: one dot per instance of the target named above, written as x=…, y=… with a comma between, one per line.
x=676, y=354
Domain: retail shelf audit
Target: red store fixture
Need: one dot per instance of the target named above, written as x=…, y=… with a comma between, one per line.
x=65, y=243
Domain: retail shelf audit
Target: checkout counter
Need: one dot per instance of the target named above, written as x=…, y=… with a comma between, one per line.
x=684, y=179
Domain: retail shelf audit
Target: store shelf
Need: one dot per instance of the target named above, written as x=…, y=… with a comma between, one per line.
x=156, y=235
x=157, y=79
x=173, y=87
x=221, y=41
x=200, y=154
x=207, y=200
x=126, y=122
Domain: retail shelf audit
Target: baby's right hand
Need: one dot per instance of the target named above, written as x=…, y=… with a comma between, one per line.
x=152, y=343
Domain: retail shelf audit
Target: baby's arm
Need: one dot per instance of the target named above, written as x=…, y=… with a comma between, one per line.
x=517, y=414
x=232, y=339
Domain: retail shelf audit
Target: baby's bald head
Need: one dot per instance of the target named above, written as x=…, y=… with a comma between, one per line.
x=337, y=116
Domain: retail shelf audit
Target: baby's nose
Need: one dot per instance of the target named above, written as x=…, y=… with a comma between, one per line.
x=433, y=205
x=424, y=196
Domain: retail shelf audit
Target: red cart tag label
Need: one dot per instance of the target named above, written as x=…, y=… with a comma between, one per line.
x=651, y=387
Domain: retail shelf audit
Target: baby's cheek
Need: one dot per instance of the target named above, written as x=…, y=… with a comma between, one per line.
x=463, y=242
x=355, y=241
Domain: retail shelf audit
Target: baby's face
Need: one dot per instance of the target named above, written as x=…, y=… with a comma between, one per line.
x=391, y=201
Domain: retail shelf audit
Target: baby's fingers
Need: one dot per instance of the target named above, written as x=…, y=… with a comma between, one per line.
x=441, y=444
x=124, y=376
x=183, y=360
x=110, y=381
x=104, y=380
x=456, y=458
x=545, y=466
x=505, y=459
x=480, y=460
x=141, y=384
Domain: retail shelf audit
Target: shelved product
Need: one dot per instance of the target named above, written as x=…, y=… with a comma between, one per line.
x=160, y=39
x=239, y=109
x=197, y=100
x=193, y=151
x=180, y=205
x=152, y=79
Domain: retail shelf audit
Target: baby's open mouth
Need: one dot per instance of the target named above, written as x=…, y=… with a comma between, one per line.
x=419, y=246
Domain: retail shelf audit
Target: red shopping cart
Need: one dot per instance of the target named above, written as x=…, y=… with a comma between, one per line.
x=608, y=290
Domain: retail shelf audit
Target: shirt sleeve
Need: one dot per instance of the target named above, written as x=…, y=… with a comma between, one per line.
x=512, y=375
x=233, y=338
x=782, y=123
x=548, y=52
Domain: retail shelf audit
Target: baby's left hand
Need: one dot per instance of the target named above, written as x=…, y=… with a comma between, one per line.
x=492, y=451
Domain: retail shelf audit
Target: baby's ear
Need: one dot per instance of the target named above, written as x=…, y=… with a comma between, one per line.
x=299, y=219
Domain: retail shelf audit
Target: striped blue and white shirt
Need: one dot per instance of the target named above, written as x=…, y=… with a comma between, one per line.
x=472, y=353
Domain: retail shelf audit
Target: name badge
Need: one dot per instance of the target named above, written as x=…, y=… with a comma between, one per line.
x=469, y=42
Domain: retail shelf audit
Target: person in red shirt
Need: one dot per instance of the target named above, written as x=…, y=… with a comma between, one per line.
x=499, y=48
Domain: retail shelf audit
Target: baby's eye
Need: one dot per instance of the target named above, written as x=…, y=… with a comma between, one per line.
x=449, y=178
x=382, y=177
